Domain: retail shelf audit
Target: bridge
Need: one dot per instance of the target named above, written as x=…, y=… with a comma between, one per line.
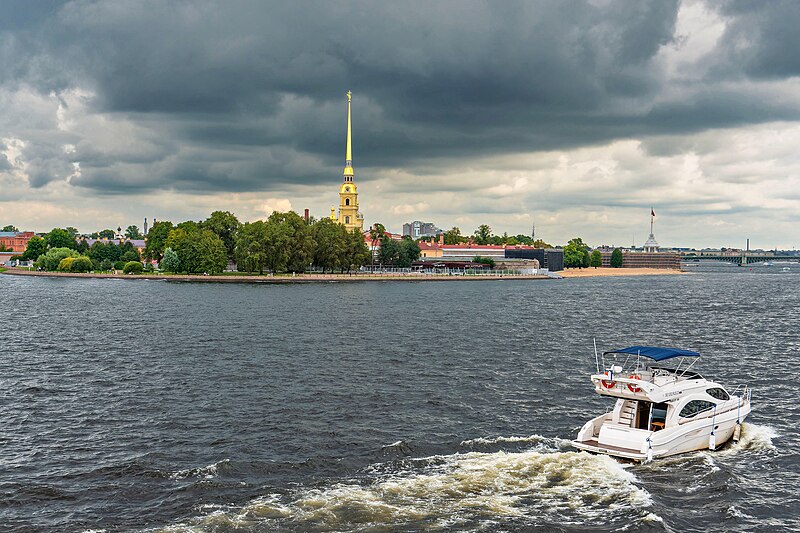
x=741, y=260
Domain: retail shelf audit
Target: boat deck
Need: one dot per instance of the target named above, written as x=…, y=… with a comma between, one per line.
x=617, y=451
x=595, y=444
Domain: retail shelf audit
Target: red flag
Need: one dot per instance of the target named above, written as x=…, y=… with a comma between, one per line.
x=652, y=213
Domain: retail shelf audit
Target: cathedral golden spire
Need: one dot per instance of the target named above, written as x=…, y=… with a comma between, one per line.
x=348, y=192
x=348, y=159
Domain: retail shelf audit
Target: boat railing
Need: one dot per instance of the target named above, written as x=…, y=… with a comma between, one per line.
x=743, y=392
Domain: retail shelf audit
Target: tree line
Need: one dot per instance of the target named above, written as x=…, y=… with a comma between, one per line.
x=576, y=255
x=483, y=235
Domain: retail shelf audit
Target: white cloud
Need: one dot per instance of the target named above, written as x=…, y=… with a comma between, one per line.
x=409, y=209
x=276, y=204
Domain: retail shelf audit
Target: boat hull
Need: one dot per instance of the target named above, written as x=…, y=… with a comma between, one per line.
x=687, y=437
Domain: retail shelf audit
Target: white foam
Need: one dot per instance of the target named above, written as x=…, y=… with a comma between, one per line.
x=733, y=512
x=754, y=437
x=205, y=472
x=500, y=440
x=573, y=486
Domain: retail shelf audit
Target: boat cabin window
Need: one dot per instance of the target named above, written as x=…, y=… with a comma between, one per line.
x=659, y=414
x=718, y=393
x=695, y=406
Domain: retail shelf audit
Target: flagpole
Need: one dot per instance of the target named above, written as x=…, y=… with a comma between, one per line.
x=651, y=219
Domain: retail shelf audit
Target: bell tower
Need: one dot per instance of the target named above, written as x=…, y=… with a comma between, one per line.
x=348, y=192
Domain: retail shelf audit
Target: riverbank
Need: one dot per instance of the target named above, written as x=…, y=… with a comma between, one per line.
x=354, y=277
x=281, y=279
x=609, y=272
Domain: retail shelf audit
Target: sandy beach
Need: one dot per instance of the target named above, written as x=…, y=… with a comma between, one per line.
x=603, y=272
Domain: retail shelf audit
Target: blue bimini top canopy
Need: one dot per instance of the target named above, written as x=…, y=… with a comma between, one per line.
x=655, y=353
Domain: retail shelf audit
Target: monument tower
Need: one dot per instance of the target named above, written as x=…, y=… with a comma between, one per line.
x=651, y=245
x=348, y=192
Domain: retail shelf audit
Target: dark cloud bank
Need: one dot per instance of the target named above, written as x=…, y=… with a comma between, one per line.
x=243, y=96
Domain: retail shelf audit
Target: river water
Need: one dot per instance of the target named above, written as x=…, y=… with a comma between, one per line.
x=381, y=406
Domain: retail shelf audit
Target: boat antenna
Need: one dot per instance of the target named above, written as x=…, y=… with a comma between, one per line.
x=596, y=360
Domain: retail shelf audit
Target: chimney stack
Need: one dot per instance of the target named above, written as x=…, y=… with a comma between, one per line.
x=306, y=215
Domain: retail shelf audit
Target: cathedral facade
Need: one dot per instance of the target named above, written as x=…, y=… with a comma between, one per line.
x=349, y=215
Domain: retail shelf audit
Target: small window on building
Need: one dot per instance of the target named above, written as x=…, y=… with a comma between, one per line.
x=347, y=201
x=718, y=393
x=346, y=220
x=694, y=407
x=347, y=189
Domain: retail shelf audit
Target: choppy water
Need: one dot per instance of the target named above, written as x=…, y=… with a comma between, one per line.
x=155, y=406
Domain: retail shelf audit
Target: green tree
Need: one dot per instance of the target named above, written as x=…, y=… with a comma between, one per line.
x=106, y=234
x=574, y=253
x=539, y=243
x=389, y=252
x=130, y=255
x=171, y=262
x=330, y=244
x=453, y=236
x=586, y=259
x=225, y=225
x=485, y=261
x=597, y=259
x=198, y=251
x=483, y=234
x=156, y=240
x=132, y=232
x=291, y=244
x=81, y=264
x=106, y=264
x=376, y=234
x=65, y=264
x=51, y=259
x=189, y=226
x=36, y=247
x=408, y=252
x=72, y=231
x=10, y=228
x=119, y=265
x=133, y=267
x=616, y=258
x=357, y=252
x=250, y=250
x=60, y=238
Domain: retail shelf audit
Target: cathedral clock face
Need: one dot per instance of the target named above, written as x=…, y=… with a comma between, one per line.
x=347, y=189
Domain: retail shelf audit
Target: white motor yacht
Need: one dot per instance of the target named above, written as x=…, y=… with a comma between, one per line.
x=661, y=410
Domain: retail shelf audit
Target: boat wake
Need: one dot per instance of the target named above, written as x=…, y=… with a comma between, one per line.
x=754, y=438
x=459, y=490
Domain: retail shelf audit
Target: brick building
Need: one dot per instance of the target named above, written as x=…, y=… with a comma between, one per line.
x=16, y=241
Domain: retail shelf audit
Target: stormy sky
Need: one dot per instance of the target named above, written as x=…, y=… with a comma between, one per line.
x=573, y=116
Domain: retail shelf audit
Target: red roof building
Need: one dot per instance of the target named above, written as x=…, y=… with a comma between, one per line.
x=16, y=241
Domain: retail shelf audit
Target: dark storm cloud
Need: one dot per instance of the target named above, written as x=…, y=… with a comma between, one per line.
x=761, y=39
x=239, y=91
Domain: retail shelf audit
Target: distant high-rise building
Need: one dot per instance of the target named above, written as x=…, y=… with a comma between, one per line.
x=418, y=229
